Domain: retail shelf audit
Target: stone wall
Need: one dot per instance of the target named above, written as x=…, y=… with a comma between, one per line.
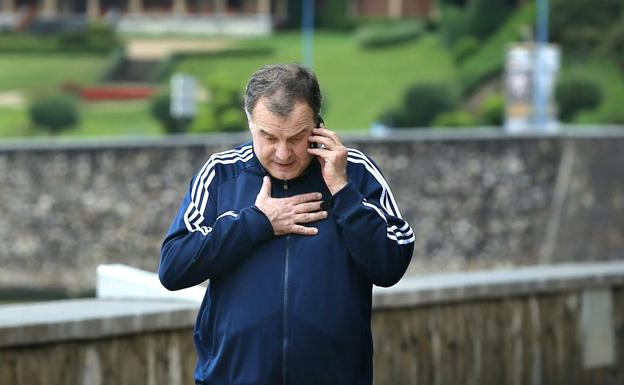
x=474, y=199
x=555, y=325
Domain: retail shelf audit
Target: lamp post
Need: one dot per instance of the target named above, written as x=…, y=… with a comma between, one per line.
x=540, y=95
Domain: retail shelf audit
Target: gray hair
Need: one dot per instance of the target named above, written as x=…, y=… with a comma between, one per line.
x=283, y=85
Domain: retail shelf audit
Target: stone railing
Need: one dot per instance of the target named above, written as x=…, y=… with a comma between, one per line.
x=475, y=199
x=559, y=324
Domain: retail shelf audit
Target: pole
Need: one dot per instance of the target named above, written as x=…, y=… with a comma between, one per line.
x=540, y=102
x=307, y=32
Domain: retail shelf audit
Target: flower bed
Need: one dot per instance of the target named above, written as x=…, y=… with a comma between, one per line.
x=110, y=92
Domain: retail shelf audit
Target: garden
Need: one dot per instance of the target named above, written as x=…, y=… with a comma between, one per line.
x=444, y=71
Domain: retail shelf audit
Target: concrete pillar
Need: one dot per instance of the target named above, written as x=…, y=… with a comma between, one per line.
x=179, y=7
x=135, y=6
x=93, y=10
x=395, y=9
x=8, y=6
x=49, y=9
x=264, y=7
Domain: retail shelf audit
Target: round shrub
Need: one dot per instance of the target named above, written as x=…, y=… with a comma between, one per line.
x=160, y=108
x=576, y=94
x=421, y=104
x=395, y=117
x=54, y=113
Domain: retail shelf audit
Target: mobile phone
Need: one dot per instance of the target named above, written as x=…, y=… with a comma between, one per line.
x=317, y=121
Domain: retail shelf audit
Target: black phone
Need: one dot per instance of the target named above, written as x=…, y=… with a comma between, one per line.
x=317, y=121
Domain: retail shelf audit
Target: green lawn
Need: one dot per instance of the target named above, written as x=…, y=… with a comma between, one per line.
x=33, y=71
x=358, y=84
x=96, y=119
x=116, y=118
x=13, y=122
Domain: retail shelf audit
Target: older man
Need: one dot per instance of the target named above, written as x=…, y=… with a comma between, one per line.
x=292, y=230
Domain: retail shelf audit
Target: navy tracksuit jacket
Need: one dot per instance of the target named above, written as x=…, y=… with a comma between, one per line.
x=290, y=309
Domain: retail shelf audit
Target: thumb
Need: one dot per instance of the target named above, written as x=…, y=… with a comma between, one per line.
x=265, y=190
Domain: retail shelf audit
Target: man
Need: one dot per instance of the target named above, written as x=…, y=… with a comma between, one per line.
x=292, y=238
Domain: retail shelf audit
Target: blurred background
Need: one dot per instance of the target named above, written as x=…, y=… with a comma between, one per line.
x=104, y=67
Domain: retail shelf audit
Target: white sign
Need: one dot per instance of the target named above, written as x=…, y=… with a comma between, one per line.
x=521, y=84
x=183, y=90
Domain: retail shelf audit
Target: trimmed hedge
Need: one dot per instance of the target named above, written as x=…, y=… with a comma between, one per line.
x=95, y=39
x=385, y=35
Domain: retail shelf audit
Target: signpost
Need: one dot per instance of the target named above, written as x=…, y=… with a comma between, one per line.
x=183, y=107
x=531, y=72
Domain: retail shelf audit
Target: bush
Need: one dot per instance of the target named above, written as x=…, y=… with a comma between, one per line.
x=97, y=38
x=615, y=43
x=457, y=118
x=576, y=94
x=485, y=16
x=54, y=113
x=334, y=15
x=454, y=24
x=492, y=110
x=94, y=39
x=569, y=16
x=160, y=108
x=421, y=104
x=389, y=34
x=488, y=61
x=465, y=47
x=224, y=110
x=477, y=18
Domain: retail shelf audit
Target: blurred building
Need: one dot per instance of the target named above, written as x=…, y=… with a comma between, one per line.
x=248, y=16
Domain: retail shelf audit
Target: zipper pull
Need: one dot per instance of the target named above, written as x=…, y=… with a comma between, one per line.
x=285, y=185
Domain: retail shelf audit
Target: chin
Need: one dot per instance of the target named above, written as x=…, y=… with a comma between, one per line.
x=282, y=174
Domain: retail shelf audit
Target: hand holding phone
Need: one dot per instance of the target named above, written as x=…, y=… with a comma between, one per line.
x=332, y=155
x=318, y=121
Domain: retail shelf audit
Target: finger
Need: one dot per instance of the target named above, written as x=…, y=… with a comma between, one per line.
x=298, y=229
x=310, y=217
x=328, y=133
x=265, y=190
x=308, y=207
x=325, y=141
x=302, y=198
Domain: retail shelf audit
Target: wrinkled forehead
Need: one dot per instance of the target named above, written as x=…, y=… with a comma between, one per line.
x=265, y=121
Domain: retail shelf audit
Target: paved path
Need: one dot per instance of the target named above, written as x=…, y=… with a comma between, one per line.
x=151, y=49
x=12, y=98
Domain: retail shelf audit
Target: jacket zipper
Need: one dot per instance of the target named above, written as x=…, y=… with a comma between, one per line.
x=285, y=341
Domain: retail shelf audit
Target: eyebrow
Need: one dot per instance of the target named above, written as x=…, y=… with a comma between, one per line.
x=263, y=132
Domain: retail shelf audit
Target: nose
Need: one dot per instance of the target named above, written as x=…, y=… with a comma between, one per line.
x=282, y=152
